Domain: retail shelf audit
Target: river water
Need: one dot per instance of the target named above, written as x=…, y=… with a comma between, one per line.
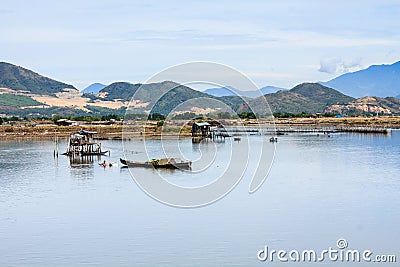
x=58, y=212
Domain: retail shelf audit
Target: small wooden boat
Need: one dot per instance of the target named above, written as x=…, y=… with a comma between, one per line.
x=167, y=163
x=236, y=139
x=273, y=139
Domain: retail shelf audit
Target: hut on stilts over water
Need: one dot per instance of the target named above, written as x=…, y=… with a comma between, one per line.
x=212, y=129
x=82, y=143
x=201, y=129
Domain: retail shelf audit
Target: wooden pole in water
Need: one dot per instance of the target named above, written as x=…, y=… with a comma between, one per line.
x=56, y=147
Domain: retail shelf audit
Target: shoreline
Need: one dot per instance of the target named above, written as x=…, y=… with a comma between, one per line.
x=50, y=131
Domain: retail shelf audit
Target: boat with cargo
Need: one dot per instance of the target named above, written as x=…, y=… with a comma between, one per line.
x=167, y=163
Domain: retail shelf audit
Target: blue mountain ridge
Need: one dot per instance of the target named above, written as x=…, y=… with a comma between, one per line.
x=94, y=88
x=376, y=80
x=230, y=91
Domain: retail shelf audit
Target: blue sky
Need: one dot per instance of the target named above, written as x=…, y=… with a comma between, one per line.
x=279, y=43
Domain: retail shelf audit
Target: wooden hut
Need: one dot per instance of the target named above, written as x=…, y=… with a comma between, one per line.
x=82, y=143
x=201, y=129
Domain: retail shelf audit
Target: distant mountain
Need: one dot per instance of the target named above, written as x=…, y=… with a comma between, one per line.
x=270, y=89
x=368, y=105
x=306, y=97
x=21, y=79
x=377, y=80
x=93, y=88
x=230, y=91
x=221, y=91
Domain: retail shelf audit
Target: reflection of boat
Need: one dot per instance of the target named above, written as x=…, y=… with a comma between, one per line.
x=83, y=161
x=168, y=163
x=82, y=143
x=273, y=139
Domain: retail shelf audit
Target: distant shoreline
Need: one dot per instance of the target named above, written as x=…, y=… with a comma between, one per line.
x=50, y=131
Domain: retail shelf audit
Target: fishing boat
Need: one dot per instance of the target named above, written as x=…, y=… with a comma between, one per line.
x=167, y=163
x=82, y=144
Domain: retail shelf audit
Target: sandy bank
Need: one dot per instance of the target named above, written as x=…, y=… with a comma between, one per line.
x=23, y=130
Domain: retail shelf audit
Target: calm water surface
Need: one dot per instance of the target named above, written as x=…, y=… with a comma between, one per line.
x=320, y=189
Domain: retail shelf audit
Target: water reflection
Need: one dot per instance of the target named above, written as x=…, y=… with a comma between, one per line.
x=77, y=212
x=84, y=161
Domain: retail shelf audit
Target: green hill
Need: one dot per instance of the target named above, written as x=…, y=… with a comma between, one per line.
x=172, y=95
x=119, y=90
x=306, y=97
x=321, y=94
x=163, y=96
x=21, y=79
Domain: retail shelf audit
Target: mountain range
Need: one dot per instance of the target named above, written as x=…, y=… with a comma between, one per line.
x=306, y=97
x=230, y=91
x=376, y=80
x=26, y=93
x=162, y=97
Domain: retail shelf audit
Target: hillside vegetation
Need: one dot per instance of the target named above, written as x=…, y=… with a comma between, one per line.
x=26, y=93
x=21, y=79
x=306, y=97
x=17, y=100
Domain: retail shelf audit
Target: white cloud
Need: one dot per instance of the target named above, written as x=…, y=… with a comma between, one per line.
x=335, y=65
x=276, y=42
